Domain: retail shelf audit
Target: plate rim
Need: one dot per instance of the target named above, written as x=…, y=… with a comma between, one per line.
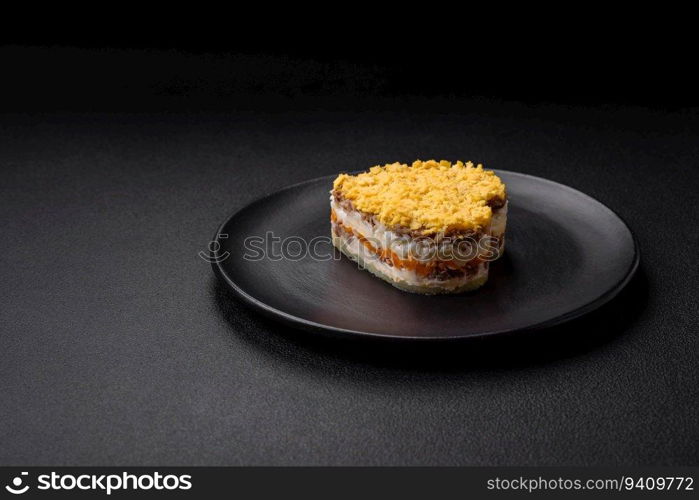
x=313, y=326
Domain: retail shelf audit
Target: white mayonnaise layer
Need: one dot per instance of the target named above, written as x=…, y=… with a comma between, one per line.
x=381, y=237
x=378, y=235
x=355, y=247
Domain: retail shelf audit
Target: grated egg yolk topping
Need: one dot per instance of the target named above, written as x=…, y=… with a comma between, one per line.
x=429, y=197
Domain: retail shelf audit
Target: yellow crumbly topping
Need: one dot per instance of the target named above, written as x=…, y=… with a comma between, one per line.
x=429, y=196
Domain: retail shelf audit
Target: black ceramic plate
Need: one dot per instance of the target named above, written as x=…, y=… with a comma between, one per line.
x=566, y=255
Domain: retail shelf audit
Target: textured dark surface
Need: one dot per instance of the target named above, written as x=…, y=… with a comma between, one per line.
x=118, y=347
x=567, y=255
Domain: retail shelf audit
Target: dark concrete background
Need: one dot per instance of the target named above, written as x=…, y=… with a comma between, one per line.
x=118, y=346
